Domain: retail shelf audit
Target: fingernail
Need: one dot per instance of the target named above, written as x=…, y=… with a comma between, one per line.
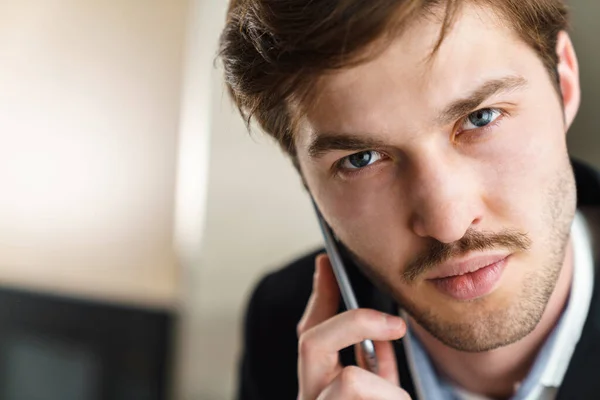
x=394, y=322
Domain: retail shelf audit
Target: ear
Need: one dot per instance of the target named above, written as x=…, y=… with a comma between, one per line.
x=568, y=73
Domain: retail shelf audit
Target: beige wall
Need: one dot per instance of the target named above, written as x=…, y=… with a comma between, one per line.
x=258, y=218
x=89, y=113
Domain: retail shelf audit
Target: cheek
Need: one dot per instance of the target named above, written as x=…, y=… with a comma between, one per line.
x=368, y=207
x=522, y=166
x=368, y=215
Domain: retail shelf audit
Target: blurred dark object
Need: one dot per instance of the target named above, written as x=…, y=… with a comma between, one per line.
x=53, y=348
x=584, y=136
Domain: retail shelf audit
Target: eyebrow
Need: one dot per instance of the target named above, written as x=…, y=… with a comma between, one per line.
x=324, y=142
x=461, y=107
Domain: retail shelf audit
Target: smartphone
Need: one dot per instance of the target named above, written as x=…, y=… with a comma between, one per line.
x=367, y=346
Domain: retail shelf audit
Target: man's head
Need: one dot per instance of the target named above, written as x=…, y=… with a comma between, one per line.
x=432, y=136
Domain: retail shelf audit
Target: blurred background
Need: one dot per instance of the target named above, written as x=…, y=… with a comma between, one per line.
x=136, y=213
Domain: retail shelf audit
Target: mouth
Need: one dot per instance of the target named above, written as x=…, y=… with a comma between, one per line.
x=470, y=278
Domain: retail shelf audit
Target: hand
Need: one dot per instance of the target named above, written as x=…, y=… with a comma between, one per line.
x=323, y=334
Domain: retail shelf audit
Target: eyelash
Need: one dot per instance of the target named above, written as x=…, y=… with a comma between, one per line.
x=338, y=169
x=481, y=130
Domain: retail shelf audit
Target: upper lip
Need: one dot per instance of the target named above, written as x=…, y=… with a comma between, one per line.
x=467, y=264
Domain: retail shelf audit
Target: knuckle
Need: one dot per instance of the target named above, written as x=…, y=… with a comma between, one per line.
x=365, y=316
x=304, y=324
x=305, y=343
x=301, y=327
x=349, y=381
x=357, y=316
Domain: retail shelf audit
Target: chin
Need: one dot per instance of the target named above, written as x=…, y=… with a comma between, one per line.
x=483, y=324
x=481, y=331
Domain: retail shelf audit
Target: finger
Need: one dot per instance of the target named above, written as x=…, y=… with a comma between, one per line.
x=325, y=298
x=386, y=360
x=388, y=367
x=354, y=326
x=318, y=361
x=356, y=383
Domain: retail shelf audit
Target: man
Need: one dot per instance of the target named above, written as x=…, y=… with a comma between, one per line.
x=432, y=137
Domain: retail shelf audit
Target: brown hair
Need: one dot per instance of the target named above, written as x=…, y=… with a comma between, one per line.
x=274, y=51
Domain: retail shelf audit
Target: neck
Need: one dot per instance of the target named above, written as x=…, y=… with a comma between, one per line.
x=497, y=373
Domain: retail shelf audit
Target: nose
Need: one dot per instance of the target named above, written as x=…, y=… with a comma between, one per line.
x=446, y=200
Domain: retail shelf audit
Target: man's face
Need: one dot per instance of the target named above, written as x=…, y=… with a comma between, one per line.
x=448, y=178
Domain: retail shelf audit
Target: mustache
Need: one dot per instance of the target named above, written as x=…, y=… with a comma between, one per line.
x=437, y=252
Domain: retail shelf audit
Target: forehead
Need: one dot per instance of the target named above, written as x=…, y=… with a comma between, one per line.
x=405, y=85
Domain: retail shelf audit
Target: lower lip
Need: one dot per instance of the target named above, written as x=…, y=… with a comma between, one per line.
x=472, y=285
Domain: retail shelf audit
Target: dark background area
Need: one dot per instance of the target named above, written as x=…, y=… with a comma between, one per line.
x=584, y=137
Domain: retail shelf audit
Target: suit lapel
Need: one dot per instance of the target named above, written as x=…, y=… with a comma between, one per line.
x=582, y=379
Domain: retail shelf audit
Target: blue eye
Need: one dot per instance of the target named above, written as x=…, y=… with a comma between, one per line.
x=360, y=160
x=480, y=118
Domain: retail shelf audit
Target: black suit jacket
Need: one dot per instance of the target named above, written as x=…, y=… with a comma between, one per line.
x=268, y=365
